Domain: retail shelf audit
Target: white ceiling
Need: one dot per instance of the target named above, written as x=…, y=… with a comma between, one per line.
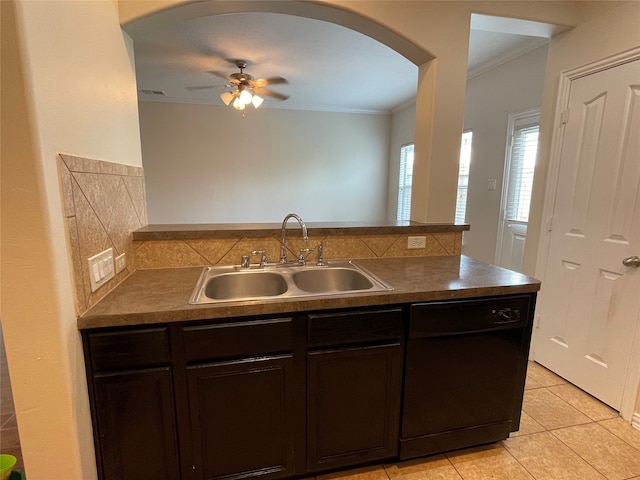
x=328, y=67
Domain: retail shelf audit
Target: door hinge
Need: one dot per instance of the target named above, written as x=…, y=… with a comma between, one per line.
x=549, y=224
x=564, y=117
x=536, y=322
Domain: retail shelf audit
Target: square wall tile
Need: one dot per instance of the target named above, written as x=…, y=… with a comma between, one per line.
x=103, y=203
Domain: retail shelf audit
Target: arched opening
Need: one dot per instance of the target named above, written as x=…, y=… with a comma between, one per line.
x=370, y=194
x=152, y=15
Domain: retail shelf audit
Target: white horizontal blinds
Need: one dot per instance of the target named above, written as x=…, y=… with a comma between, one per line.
x=463, y=176
x=524, y=148
x=405, y=181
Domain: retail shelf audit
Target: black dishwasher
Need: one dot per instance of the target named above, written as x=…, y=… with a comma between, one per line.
x=465, y=371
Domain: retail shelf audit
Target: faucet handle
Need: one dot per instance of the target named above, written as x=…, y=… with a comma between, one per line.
x=246, y=262
x=301, y=259
x=320, y=262
x=263, y=256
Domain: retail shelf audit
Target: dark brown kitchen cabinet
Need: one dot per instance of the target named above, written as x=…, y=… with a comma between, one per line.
x=241, y=418
x=353, y=387
x=243, y=385
x=131, y=391
x=281, y=397
x=136, y=425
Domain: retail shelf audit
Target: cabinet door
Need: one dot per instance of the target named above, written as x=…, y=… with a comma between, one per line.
x=241, y=418
x=136, y=425
x=353, y=405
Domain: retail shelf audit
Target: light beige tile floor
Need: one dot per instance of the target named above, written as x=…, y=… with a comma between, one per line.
x=565, y=434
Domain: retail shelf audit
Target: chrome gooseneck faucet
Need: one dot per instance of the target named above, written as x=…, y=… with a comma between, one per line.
x=283, y=250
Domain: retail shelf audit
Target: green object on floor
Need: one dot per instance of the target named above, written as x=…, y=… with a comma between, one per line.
x=17, y=475
x=6, y=465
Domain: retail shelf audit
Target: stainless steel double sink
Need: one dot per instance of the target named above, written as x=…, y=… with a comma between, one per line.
x=233, y=283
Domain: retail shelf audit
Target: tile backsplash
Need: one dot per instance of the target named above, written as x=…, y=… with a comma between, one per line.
x=229, y=251
x=103, y=203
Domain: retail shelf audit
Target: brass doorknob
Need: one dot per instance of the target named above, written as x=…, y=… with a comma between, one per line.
x=633, y=261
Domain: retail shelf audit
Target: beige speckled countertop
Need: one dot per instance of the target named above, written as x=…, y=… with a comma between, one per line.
x=161, y=296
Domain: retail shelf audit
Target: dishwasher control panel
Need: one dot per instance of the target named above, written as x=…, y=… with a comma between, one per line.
x=506, y=315
x=466, y=316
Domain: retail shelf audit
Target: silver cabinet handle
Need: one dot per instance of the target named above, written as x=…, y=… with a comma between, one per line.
x=631, y=261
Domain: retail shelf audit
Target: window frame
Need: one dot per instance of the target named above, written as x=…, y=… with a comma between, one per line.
x=405, y=182
x=461, y=209
x=518, y=122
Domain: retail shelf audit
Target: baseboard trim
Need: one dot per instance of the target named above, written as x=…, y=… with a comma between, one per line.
x=635, y=420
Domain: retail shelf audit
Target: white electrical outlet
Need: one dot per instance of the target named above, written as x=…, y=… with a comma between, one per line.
x=101, y=269
x=121, y=262
x=417, y=242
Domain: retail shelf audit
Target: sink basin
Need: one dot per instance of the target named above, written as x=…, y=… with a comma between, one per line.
x=231, y=286
x=331, y=280
x=232, y=283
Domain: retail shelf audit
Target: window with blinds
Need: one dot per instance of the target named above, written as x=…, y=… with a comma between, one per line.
x=463, y=176
x=524, y=148
x=405, y=181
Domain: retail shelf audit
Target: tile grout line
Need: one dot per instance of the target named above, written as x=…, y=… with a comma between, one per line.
x=446, y=455
x=568, y=404
x=576, y=453
x=208, y=262
x=576, y=408
x=615, y=434
x=592, y=421
x=518, y=461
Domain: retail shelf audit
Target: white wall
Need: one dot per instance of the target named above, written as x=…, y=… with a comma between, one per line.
x=206, y=164
x=68, y=85
x=490, y=98
x=403, y=131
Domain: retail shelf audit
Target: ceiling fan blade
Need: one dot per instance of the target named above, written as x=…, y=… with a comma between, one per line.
x=270, y=93
x=219, y=74
x=206, y=87
x=262, y=82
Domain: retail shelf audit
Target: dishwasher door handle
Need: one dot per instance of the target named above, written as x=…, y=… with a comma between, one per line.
x=505, y=316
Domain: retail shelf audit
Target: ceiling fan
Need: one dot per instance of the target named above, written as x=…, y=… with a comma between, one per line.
x=247, y=89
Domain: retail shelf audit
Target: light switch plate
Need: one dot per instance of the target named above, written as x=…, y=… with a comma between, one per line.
x=101, y=269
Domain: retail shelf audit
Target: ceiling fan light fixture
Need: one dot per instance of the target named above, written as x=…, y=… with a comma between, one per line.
x=238, y=104
x=227, y=97
x=257, y=101
x=245, y=97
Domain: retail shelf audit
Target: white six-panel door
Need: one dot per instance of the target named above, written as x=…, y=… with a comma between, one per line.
x=590, y=302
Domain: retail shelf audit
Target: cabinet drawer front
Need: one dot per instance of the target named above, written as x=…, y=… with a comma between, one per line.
x=129, y=349
x=238, y=339
x=354, y=327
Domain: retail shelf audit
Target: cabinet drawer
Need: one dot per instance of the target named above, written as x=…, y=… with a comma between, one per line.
x=237, y=339
x=354, y=327
x=129, y=349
